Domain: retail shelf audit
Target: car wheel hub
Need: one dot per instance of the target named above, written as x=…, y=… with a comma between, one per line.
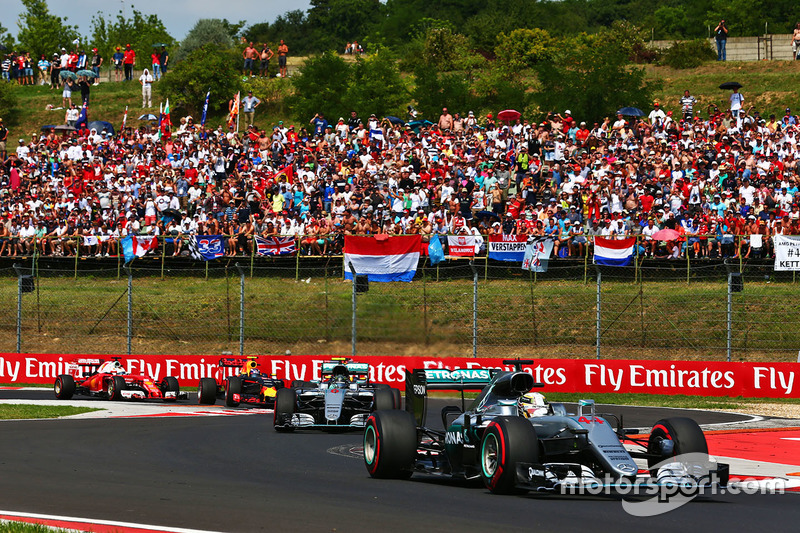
x=370, y=444
x=489, y=455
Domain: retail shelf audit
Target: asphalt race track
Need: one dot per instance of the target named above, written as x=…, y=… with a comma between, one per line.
x=235, y=473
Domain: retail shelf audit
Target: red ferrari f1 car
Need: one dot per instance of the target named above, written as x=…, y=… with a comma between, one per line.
x=109, y=379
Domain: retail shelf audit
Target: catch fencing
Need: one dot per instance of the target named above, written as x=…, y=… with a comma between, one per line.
x=657, y=309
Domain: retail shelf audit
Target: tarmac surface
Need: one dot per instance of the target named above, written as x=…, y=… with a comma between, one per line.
x=207, y=468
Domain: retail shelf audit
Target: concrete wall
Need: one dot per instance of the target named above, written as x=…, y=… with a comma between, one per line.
x=749, y=48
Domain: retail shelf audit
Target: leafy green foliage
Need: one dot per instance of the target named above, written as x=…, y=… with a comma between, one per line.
x=590, y=75
x=376, y=87
x=205, y=32
x=333, y=23
x=321, y=87
x=41, y=32
x=523, y=48
x=433, y=91
x=209, y=68
x=6, y=39
x=140, y=31
x=688, y=54
x=328, y=84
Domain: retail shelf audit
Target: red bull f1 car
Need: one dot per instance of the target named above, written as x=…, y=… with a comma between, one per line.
x=110, y=380
x=249, y=386
x=343, y=398
x=513, y=440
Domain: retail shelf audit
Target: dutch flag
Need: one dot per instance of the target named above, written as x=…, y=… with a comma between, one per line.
x=382, y=258
x=613, y=252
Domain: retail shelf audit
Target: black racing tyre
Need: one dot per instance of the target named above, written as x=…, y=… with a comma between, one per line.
x=234, y=387
x=207, y=391
x=507, y=441
x=686, y=435
x=64, y=387
x=168, y=384
x=398, y=400
x=383, y=400
x=390, y=444
x=300, y=384
x=285, y=406
x=379, y=386
x=114, y=388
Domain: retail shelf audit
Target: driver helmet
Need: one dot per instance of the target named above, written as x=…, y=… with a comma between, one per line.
x=533, y=404
x=118, y=368
x=254, y=372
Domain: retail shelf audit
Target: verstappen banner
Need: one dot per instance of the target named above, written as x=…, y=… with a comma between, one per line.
x=787, y=253
x=507, y=247
x=693, y=378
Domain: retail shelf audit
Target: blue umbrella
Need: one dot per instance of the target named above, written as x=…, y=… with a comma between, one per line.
x=101, y=125
x=631, y=112
x=394, y=120
x=416, y=125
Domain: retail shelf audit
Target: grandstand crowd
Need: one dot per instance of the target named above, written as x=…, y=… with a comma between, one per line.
x=726, y=182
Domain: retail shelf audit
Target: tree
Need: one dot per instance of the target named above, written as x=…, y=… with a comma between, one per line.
x=205, y=32
x=523, y=48
x=209, y=68
x=376, y=86
x=433, y=91
x=292, y=27
x=336, y=22
x=6, y=39
x=42, y=33
x=140, y=31
x=321, y=87
x=590, y=75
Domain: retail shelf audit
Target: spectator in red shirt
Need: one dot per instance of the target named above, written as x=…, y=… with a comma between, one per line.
x=128, y=60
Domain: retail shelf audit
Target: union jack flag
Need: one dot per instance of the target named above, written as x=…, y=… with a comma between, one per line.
x=275, y=245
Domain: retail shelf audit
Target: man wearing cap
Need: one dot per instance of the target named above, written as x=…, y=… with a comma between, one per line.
x=657, y=115
x=128, y=60
x=118, y=58
x=96, y=63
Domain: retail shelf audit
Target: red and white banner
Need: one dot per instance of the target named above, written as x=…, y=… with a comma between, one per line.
x=693, y=378
x=461, y=245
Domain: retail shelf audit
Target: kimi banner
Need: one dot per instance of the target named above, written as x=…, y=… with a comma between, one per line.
x=537, y=254
x=507, y=247
x=787, y=253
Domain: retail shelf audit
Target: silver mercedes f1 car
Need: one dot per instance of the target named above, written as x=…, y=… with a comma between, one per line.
x=513, y=440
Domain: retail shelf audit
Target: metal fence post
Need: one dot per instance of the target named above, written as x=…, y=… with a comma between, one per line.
x=241, y=309
x=18, y=269
x=730, y=315
x=474, y=309
x=130, y=307
x=353, y=332
x=598, y=324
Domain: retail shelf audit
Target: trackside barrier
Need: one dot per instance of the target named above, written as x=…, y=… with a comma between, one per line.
x=698, y=378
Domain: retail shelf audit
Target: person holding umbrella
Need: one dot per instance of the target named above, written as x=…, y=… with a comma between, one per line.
x=736, y=102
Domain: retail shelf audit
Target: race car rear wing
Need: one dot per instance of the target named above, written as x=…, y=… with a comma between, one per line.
x=419, y=381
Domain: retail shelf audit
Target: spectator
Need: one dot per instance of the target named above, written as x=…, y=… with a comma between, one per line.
x=249, y=105
x=163, y=60
x=155, y=59
x=96, y=63
x=249, y=56
x=118, y=59
x=283, y=51
x=128, y=61
x=146, y=79
x=721, y=36
x=265, y=55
